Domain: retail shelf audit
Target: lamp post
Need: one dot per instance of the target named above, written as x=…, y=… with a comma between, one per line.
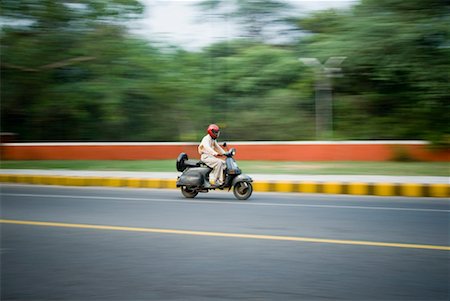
x=323, y=92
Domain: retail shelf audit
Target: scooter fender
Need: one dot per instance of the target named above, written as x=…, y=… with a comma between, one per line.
x=193, y=177
x=241, y=178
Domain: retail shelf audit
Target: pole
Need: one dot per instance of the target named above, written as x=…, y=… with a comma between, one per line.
x=324, y=93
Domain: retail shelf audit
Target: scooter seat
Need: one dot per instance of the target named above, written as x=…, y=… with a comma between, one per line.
x=192, y=163
x=204, y=164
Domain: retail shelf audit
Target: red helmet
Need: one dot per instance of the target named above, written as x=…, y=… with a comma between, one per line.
x=213, y=131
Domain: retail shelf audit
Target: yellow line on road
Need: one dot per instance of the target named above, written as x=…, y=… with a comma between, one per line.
x=230, y=235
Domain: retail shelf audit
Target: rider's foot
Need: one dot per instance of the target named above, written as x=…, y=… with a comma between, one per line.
x=211, y=184
x=216, y=184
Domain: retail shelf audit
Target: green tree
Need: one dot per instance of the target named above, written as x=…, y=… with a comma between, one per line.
x=72, y=71
x=44, y=60
x=396, y=71
x=254, y=90
x=263, y=20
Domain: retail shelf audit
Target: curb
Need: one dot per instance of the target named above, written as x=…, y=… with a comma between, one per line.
x=351, y=188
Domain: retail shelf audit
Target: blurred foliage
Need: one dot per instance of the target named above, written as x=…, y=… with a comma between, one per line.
x=396, y=82
x=70, y=70
x=262, y=20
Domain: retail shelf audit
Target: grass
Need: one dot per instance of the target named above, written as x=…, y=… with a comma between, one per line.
x=263, y=167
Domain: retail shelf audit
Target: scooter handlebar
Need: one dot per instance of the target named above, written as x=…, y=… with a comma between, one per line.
x=230, y=153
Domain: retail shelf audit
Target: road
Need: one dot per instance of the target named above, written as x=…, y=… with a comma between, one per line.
x=63, y=243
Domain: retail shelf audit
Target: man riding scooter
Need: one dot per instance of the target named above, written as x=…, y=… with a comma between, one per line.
x=212, y=172
x=211, y=154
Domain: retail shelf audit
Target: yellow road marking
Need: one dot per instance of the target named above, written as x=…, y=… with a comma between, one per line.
x=230, y=235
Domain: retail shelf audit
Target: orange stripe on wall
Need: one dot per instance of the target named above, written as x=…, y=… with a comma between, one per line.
x=245, y=151
x=70, y=152
x=337, y=152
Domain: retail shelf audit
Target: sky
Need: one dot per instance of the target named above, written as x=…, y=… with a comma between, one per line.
x=177, y=22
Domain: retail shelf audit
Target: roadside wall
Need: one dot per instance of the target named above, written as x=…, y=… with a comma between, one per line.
x=274, y=151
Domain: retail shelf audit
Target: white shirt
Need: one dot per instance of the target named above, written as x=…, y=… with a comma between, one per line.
x=209, y=146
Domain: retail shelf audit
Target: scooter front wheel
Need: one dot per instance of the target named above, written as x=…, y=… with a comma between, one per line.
x=188, y=193
x=242, y=190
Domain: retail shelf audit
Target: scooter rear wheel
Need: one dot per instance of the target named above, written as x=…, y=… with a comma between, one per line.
x=242, y=190
x=188, y=193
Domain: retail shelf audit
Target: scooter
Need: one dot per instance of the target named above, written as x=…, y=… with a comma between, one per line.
x=195, y=177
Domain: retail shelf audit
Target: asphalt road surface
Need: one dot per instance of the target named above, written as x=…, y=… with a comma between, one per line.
x=62, y=243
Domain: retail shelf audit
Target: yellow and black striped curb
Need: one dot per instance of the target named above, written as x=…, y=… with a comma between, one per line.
x=352, y=188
